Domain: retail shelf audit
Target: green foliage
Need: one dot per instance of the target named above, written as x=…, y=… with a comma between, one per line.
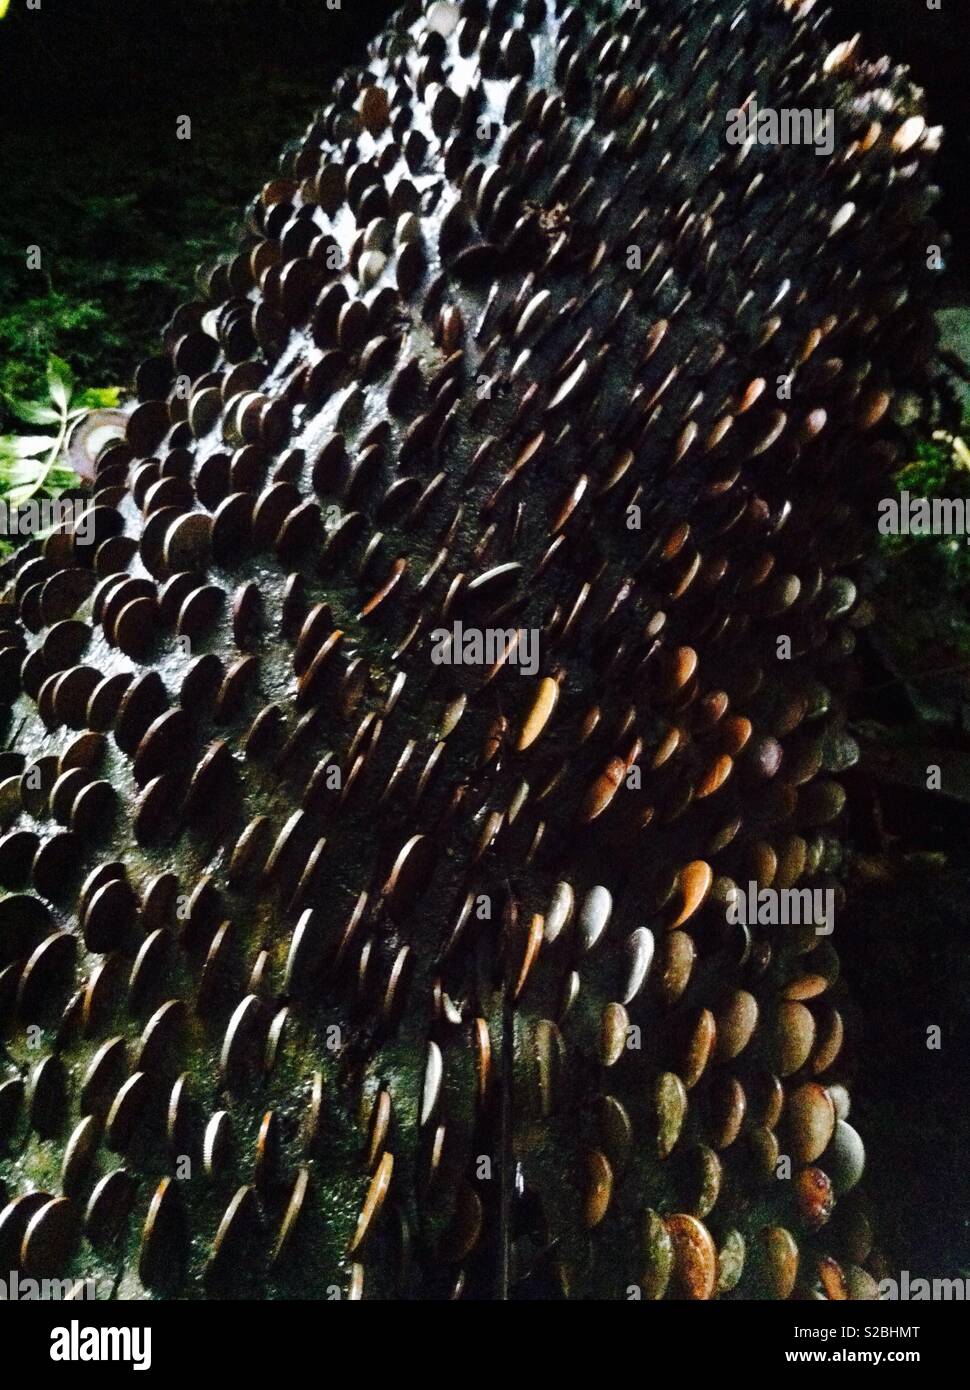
x=924, y=619
x=30, y=463
x=940, y=468
x=929, y=470
x=30, y=331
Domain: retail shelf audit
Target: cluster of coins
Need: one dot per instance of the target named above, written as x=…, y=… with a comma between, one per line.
x=334, y=964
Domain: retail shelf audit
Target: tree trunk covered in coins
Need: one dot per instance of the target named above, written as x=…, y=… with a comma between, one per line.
x=460, y=636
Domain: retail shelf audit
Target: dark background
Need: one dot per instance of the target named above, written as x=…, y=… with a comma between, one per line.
x=91, y=172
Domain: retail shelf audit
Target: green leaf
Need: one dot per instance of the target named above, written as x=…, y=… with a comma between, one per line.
x=24, y=446
x=96, y=398
x=18, y=495
x=60, y=380
x=4, y=7
x=25, y=473
x=34, y=412
x=60, y=478
x=20, y=481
